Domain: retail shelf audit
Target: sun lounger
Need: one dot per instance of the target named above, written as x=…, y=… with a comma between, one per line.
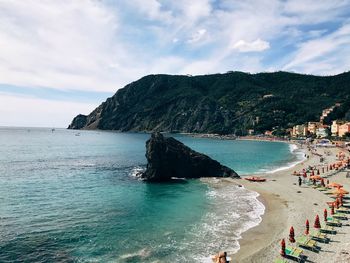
x=318, y=236
x=335, y=196
x=343, y=210
x=294, y=252
x=307, y=242
x=331, y=221
x=328, y=229
x=340, y=216
x=281, y=260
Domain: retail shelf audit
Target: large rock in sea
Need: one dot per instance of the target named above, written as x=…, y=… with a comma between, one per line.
x=168, y=158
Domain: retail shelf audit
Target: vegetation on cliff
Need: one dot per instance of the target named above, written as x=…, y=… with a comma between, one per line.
x=229, y=103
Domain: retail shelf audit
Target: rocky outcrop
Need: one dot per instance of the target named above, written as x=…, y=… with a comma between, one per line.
x=78, y=122
x=168, y=158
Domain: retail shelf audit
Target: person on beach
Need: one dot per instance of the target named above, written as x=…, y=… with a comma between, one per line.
x=220, y=258
x=299, y=180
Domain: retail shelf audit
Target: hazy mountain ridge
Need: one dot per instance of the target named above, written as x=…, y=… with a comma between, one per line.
x=219, y=103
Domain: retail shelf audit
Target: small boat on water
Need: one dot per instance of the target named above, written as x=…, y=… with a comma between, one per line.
x=255, y=179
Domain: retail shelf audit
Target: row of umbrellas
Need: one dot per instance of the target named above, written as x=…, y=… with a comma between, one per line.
x=317, y=225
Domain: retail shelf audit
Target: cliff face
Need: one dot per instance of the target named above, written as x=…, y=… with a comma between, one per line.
x=220, y=103
x=169, y=158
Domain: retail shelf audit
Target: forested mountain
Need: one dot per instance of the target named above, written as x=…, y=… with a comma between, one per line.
x=220, y=103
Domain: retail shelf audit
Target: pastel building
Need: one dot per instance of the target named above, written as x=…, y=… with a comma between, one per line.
x=343, y=129
x=299, y=130
x=335, y=127
x=313, y=126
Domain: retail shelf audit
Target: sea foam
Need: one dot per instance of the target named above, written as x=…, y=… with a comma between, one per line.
x=233, y=210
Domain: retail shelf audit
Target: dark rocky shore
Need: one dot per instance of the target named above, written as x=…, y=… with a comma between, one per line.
x=168, y=158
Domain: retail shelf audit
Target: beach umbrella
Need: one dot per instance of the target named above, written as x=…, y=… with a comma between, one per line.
x=323, y=170
x=339, y=191
x=322, y=182
x=291, y=234
x=316, y=177
x=337, y=203
x=327, y=182
x=340, y=200
x=307, y=227
x=332, y=209
x=325, y=214
x=317, y=222
x=335, y=185
x=283, y=248
x=318, y=171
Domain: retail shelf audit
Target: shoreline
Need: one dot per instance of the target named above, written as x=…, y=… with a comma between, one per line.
x=261, y=198
x=286, y=204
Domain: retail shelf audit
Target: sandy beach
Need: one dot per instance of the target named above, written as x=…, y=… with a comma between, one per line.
x=286, y=205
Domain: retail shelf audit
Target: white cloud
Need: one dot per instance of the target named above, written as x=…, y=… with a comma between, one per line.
x=61, y=44
x=197, y=36
x=32, y=112
x=103, y=45
x=254, y=46
x=325, y=55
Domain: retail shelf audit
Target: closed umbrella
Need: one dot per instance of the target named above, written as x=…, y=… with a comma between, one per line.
x=283, y=248
x=307, y=227
x=340, y=200
x=337, y=203
x=323, y=170
x=318, y=171
x=317, y=224
x=325, y=214
x=291, y=234
x=332, y=209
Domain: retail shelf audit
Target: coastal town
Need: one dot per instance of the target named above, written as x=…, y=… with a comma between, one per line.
x=327, y=133
x=337, y=129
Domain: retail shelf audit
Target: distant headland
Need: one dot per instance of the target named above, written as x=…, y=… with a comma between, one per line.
x=234, y=103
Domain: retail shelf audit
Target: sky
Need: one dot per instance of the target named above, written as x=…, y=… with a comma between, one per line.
x=62, y=58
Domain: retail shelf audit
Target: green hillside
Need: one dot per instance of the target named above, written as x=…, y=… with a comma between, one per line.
x=221, y=103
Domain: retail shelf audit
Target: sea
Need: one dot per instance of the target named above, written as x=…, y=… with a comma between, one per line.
x=72, y=196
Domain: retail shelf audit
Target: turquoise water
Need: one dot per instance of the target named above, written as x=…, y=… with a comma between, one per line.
x=70, y=198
